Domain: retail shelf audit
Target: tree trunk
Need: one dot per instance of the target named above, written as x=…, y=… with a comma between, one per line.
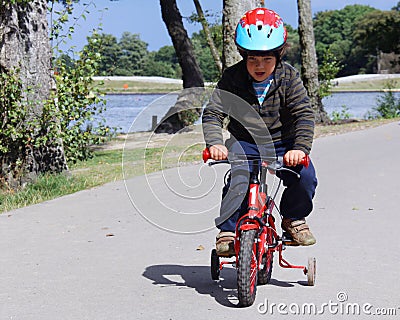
x=24, y=45
x=206, y=29
x=191, y=73
x=309, y=64
x=233, y=10
x=379, y=61
x=182, y=113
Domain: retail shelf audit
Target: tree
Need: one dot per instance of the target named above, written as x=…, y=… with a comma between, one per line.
x=203, y=53
x=208, y=35
x=133, y=52
x=309, y=65
x=191, y=73
x=232, y=12
x=66, y=60
x=109, y=50
x=125, y=57
x=167, y=54
x=151, y=67
x=378, y=31
x=334, y=30
x=181, y=114
x=293, y=52
x=154, y=66
x=24, y=46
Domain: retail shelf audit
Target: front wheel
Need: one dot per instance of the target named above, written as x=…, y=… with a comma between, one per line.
x=264, y=275
x=247, y=268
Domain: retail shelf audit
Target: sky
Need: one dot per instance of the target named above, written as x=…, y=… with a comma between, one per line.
x=143, y=17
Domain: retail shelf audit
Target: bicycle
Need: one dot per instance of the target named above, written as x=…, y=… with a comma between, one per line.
x=256, y=237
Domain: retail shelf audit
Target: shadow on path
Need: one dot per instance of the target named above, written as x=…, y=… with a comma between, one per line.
x=223, y=291
x=196, y=277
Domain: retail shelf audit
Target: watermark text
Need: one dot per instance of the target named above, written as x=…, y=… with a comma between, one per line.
x=340, y=306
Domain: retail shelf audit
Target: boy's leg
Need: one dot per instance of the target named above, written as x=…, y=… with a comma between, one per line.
x=297, y=201
x=297, y=198
x=296, y=204
x=234, y=198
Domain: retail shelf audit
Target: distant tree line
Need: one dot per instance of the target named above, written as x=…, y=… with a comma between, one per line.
x=356, y=37
x=128, y=56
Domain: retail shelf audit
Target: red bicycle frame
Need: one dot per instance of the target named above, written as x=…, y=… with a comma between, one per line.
x=259, y=217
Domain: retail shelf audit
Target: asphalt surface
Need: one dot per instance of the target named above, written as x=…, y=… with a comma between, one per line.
x=93, y=255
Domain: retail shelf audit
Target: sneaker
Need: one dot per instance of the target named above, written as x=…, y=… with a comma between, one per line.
x=299, y=231
x=225, y=243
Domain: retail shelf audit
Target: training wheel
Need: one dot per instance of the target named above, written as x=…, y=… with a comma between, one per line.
x=214, y=265
x=311, y=271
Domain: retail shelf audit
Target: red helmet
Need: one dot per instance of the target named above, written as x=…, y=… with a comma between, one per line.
x=260, y=30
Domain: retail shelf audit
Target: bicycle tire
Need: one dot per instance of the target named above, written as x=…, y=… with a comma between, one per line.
x=214, y=265
x=311, y=271
x=247, y=268
x=264, y=275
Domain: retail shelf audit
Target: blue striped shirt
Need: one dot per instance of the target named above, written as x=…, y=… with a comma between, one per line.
x=262, y=88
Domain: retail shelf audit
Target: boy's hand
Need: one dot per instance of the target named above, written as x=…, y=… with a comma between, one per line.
x=218, y=152
x=293, y=157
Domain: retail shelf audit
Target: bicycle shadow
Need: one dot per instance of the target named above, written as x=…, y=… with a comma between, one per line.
x=198, y=278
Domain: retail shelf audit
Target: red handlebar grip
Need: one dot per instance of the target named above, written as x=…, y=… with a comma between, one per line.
x=206, y=155
x=306, y=161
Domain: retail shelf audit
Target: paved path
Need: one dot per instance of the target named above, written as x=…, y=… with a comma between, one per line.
x=91, y=255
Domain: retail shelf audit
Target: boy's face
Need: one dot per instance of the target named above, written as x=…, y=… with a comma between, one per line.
x=260, y=67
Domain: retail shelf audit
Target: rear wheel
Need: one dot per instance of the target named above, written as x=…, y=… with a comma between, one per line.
x=264, y=275
x=311, y=271
x=214, y=265
x=247, y=268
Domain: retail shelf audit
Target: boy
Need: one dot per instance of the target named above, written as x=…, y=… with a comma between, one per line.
x=275, y=94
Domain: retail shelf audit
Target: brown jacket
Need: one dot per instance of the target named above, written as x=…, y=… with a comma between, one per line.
x=286, y=112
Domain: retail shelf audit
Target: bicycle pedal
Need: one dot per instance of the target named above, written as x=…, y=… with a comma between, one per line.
x=288, y=240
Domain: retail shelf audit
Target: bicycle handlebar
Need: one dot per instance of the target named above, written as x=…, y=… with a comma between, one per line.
x=207, y=156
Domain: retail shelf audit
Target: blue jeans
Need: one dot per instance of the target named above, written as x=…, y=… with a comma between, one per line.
x=296, y=201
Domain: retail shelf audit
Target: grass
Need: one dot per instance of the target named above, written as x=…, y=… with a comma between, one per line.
x=136, y=87
x=46, y=187
x=105, y=166
x=366, y=85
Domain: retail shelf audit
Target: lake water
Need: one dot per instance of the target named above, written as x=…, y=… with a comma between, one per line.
x=358, y=103
x=133, y=112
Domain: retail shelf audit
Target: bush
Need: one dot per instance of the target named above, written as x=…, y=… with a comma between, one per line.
x=78, y=104
x=343, y=114
x=328, y=70
x=388, y=105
